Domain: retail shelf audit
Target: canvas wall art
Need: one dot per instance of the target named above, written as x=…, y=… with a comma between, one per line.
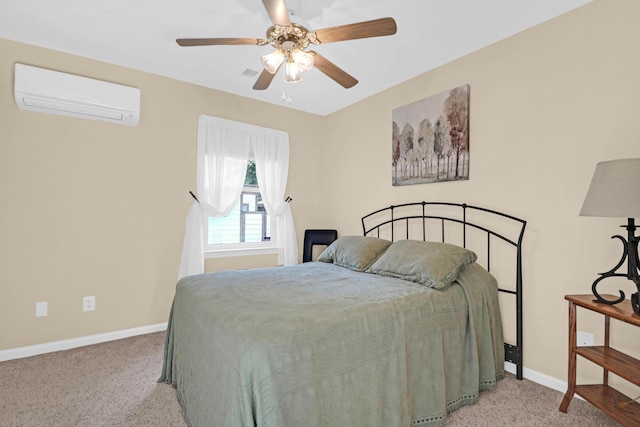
x=430, y=139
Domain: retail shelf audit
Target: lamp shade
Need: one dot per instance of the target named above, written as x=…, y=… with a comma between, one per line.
x=304, y=60
x=614, y=190
x=273, y=61
x=291, y=71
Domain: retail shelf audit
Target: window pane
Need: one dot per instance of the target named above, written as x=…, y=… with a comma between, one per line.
x=248, y=222
x=251, y=179
x=253, y=227
x=225, y=229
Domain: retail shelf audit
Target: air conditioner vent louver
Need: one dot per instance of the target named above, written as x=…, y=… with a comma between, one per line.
x=53, y=92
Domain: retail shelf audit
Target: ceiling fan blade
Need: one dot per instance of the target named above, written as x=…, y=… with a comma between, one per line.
x=277, y=12
x=216, y=41
x=359, y=30
x=264, y=80
x=333, y=71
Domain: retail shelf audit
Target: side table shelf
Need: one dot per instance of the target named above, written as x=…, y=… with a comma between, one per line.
x=603, y=396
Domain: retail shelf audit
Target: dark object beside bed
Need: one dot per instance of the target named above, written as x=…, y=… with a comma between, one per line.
x=316, y=238
x=371, y=336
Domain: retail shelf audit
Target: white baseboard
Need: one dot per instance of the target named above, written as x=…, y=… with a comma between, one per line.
x=50, y=347
x=538, y=377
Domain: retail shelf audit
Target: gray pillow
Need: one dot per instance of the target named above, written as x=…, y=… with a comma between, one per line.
x=354, y=252
x=431, y=264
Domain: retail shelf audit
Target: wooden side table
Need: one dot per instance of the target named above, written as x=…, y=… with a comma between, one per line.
x=602, y=396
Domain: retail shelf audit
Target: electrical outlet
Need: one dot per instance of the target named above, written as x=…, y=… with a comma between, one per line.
x=584, y=339
x=88, y=303
x=41, y=309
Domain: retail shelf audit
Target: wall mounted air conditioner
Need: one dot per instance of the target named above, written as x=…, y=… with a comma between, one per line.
x=53, y=92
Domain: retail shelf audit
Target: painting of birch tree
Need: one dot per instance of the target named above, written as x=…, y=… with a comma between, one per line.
x=430, y=139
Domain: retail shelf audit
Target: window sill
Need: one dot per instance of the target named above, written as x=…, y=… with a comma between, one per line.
x=225, y=253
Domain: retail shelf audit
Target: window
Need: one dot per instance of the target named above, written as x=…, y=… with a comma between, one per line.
x=248, y=225
x=223, y=149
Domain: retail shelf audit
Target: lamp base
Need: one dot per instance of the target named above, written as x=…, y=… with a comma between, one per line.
x=630, y=254
x=635, y=299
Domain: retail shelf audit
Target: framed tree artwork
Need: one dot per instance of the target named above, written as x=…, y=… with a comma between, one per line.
x=430, y=139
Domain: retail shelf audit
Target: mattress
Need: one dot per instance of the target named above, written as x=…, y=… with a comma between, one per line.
x=317, y=344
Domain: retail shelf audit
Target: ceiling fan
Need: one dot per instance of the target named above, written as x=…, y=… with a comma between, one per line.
x=291, y=40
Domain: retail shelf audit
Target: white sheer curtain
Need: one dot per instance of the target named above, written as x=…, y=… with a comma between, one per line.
x=225, y=146
x=271, y=153
x=220, y=178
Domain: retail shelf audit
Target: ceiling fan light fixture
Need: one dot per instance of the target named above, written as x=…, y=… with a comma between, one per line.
x=292, y=72
x=290, y=41
x=305, y=60
x=272, y=61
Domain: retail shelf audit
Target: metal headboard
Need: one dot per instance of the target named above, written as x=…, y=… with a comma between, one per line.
x=414, y=219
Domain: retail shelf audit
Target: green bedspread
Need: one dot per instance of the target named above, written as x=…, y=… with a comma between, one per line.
x=320, y=345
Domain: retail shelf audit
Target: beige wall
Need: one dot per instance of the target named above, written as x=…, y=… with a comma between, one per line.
x=91, y=208
x=546, y=106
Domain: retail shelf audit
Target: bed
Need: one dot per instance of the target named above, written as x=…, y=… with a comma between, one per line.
x=391, y=328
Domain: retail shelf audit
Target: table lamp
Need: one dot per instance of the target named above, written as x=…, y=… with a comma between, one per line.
x=615, y=192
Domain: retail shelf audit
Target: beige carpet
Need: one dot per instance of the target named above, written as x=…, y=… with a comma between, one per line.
x=114, y=384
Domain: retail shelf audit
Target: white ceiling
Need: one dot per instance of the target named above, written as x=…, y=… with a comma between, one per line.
x=141, y=34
